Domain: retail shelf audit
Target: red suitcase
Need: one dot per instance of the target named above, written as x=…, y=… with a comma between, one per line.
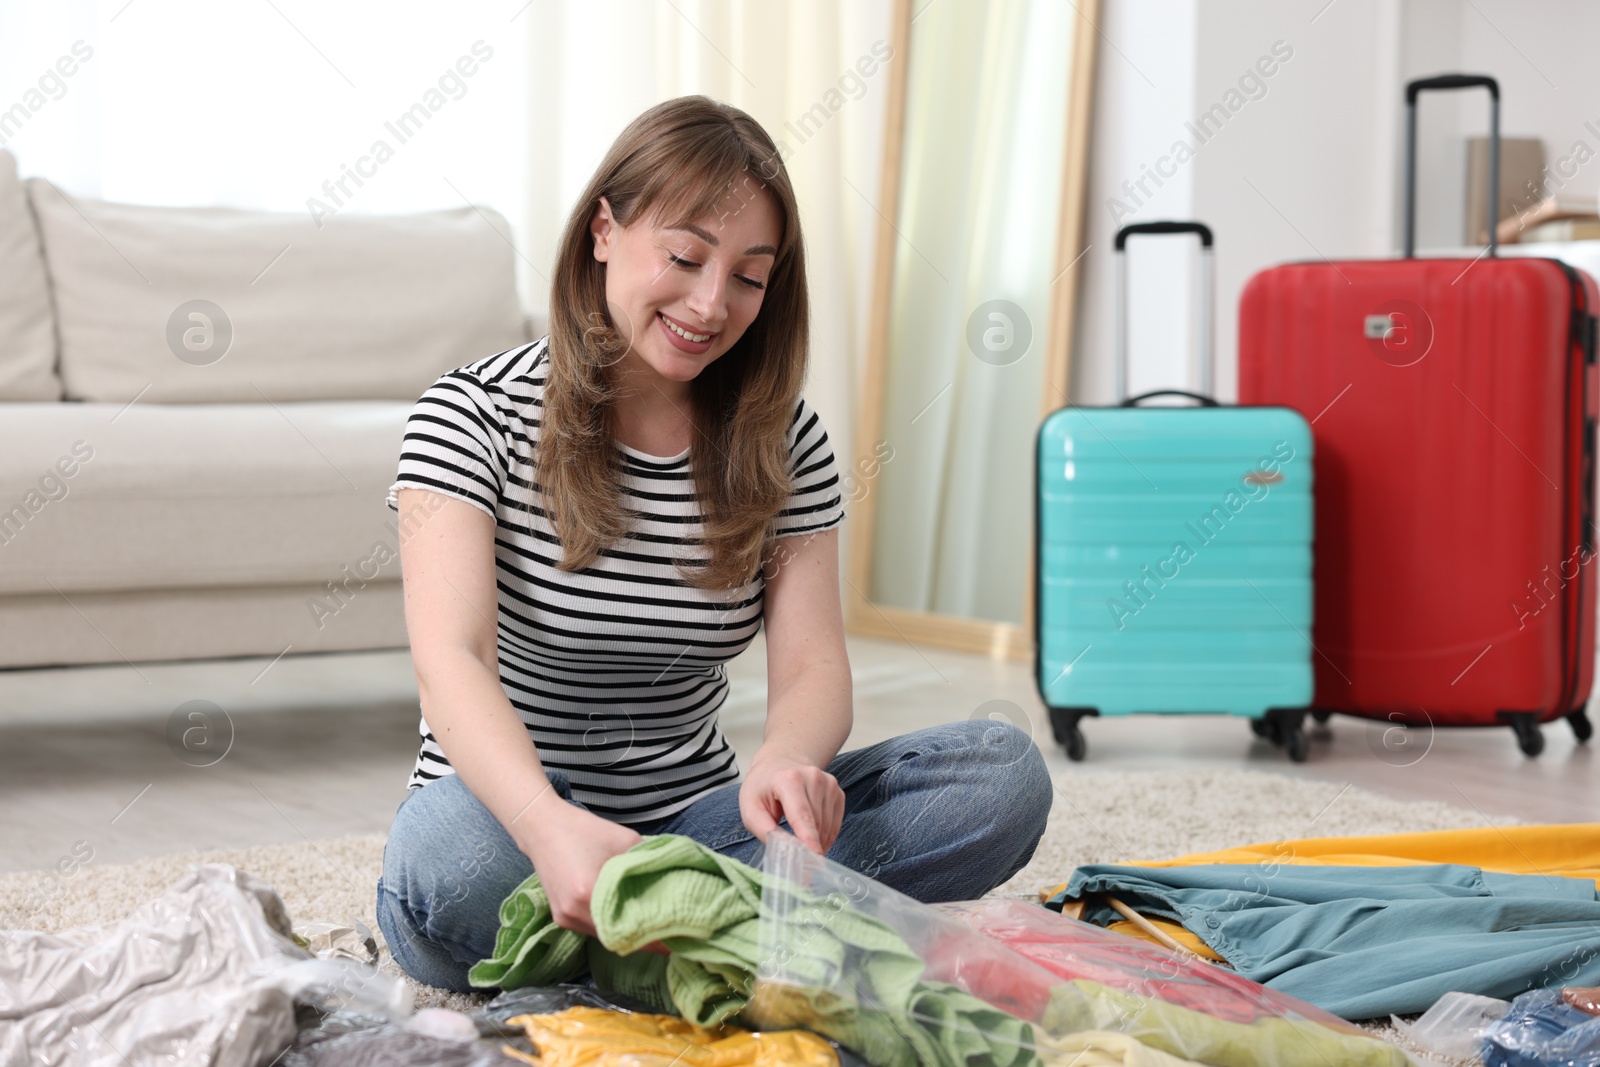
x=1453, y=406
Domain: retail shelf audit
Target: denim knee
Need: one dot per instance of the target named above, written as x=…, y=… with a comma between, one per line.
x=1013, y=777
x=952, y=811
x=1023, y=794
x=447, y=865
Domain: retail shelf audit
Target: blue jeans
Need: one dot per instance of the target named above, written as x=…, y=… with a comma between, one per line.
x=944, y=813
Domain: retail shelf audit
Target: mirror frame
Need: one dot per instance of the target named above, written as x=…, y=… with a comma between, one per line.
x=1000, y=640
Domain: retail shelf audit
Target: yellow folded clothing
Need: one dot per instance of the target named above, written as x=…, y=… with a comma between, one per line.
x=595, y=1037
x=1568, y=850
x=1177, y=931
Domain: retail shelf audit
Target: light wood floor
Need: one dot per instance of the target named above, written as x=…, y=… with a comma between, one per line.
x=321, y=746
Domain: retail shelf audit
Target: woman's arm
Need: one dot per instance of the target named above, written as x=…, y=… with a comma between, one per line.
x=809, y=696
x=451, y=603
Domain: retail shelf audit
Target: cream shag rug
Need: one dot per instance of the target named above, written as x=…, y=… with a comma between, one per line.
x=1098, y=817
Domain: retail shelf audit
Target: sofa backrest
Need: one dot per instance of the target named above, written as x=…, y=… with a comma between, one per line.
x=178, y=305
x=27, y=326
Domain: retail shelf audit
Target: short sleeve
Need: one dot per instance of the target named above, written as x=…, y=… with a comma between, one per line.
x=815, y=502
x=455, y=441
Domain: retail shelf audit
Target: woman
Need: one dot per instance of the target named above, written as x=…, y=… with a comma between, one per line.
x=573, y=592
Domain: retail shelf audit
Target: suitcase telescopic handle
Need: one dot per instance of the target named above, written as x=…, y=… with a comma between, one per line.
x=1200, y=400
x=1207, y=300
x=1451, y=81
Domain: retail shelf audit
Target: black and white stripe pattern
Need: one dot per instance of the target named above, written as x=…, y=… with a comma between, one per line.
x=617, y=671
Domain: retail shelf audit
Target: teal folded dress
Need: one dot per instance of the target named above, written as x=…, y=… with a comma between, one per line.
x=1362, y=942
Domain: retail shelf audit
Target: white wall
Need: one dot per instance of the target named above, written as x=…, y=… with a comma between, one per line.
x=1546, y=61
x=1549, y=89
x=1430, y=36
x=1144, y=86
x=1303, y=172
x=1297, y=170
x=1311, y=168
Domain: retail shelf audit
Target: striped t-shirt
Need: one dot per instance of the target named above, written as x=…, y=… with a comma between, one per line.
x=618, y=670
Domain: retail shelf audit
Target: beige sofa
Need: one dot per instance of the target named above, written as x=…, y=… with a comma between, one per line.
x=201, y=411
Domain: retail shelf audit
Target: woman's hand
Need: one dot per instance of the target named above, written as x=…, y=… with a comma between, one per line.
x=782, y=787
x=568, y=850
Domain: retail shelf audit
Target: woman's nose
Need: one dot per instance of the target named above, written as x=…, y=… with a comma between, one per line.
x=708, y=300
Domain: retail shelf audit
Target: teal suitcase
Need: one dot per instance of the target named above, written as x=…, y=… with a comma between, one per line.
x=1173, y=553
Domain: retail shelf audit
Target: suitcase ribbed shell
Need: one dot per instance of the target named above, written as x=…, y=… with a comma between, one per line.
x=1174, y=560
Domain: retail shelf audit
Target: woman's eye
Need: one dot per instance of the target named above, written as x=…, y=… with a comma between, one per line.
x=751, y=282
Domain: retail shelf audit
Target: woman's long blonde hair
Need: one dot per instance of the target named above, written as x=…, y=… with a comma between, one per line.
x=676, y=162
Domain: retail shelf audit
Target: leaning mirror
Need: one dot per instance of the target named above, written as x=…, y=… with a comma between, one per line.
x=980, y=221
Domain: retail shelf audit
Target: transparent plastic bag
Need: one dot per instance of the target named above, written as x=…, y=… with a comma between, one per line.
x=187, y=977
x=339, y=984
x=547, y=1000
x=390, y=1045
x=901, y=982
x=1455, y=1025
x=1077, y=950
x=1542, y=1030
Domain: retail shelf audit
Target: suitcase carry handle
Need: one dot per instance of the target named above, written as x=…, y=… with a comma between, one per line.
x=1164, y=227
x=1207, y=301
x=1204, y=401
x=1451, y=81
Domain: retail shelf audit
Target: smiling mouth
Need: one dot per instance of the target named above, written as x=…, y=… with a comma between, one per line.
x=697, y=338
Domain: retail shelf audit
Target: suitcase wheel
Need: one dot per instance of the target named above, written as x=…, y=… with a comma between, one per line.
x=1064, y=725
x=1322, y=717
x=1530, y=739
x=1077, y=747
x=1297, y=745
x=1578, y=718
x=1284, y=727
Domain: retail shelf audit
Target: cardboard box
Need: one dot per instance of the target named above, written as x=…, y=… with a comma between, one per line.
x=1521, y=182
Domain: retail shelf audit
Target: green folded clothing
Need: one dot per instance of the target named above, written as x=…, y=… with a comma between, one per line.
x=846, y=976
x=1082, y=1004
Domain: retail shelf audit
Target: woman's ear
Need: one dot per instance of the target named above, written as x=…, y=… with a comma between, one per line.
x=601, y=228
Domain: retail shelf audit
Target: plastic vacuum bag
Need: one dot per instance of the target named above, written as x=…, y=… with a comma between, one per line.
x=338, y=984
x=1455, y=1025
x=548, y=1000
x=184, y=979
x=901, y=982
x=434, y=1037
x=1543, y=1030
x=207, y=973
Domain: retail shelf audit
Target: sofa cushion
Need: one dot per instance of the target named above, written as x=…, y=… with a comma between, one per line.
x=102, y=497
x=27, y=327
x=214, y=304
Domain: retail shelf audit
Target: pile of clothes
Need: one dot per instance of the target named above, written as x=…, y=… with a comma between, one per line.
x=1251, y=957
x=1367, y=927
x=706, y=908
x=806, y=945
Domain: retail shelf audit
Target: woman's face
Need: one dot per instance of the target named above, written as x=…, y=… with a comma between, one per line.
x=708, y=280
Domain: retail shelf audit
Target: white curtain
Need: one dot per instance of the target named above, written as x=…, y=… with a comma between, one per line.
x=978, y=221
x=796, y=66
x=267, y=104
